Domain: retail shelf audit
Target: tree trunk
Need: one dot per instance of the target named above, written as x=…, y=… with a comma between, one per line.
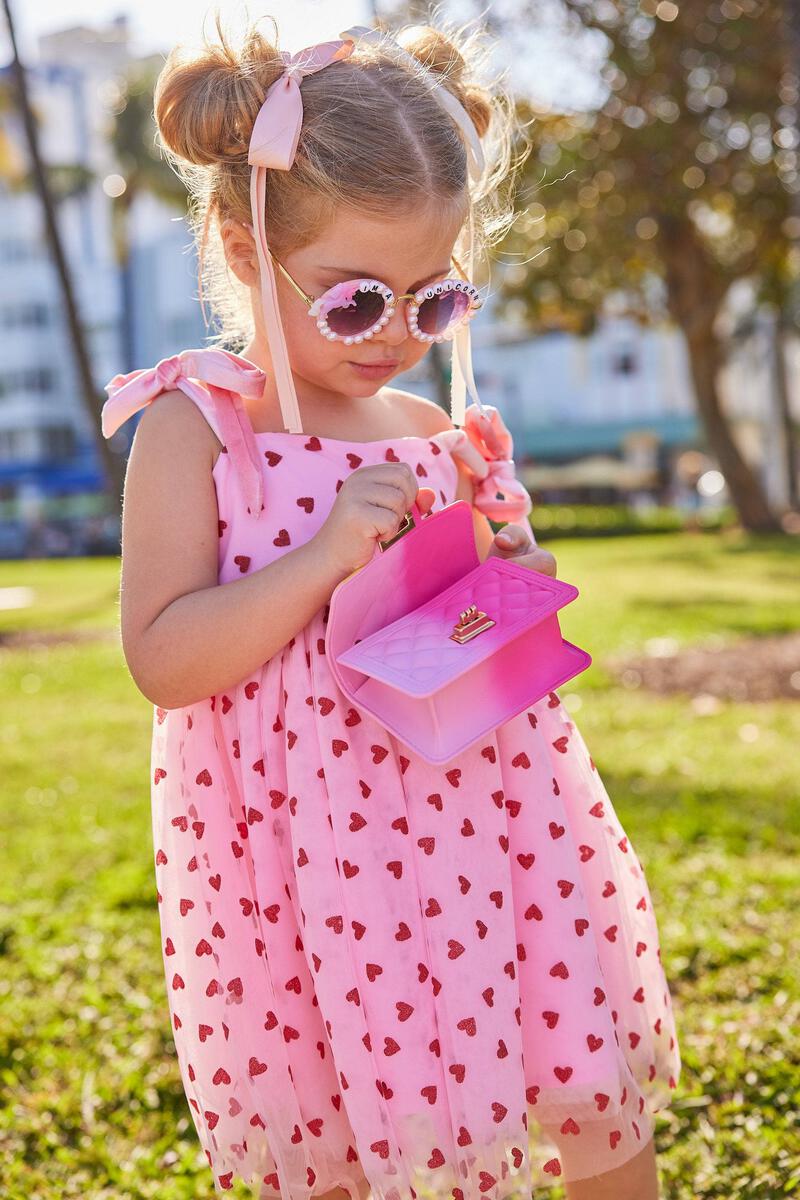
x=784, y=407
x=93, y=402
x=695, y=293
x=745, y=489
x=121, y=225
x=784, y=322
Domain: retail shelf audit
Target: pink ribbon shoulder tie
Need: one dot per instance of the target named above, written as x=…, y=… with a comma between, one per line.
x=228, y=378
x=488, y=452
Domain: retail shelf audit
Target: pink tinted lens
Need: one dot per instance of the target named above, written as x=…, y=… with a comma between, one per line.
x=359, y=316
x=438, y=314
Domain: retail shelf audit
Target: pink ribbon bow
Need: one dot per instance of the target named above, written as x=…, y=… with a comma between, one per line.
x=487, y=450
x=276, y=131
x=228, y=377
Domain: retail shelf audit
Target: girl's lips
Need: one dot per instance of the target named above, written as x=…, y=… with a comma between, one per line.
x=377, y=368
x=379, y=362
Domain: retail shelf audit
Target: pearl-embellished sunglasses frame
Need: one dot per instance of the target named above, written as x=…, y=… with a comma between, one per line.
x=332, y=299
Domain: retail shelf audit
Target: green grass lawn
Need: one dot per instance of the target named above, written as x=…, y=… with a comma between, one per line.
x=92, y=1104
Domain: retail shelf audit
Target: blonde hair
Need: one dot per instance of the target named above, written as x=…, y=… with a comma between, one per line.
x=373, y=138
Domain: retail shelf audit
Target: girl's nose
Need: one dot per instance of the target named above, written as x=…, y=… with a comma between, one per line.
x=395, y=330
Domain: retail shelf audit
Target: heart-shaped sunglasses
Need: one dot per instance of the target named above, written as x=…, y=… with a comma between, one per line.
x=358, y=308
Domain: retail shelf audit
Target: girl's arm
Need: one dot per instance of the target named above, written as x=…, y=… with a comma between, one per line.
x=184, y=635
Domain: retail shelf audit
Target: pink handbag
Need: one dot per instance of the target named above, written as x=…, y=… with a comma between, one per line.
x=441, y=648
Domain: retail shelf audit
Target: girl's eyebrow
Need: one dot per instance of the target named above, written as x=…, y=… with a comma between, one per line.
x=351, y=273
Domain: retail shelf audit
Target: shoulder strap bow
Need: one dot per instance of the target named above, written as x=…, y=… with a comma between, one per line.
x=228, y=377
x=487, y=449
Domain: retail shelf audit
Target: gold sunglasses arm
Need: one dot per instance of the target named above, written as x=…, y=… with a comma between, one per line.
x=460, y=269
x=308, y=299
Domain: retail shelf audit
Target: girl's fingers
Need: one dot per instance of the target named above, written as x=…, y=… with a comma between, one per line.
x=514, y=538
x=539, y=560
x=522, y=550
x=425, y=499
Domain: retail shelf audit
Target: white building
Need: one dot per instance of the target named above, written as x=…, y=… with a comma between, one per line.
x=621, y=398
x=47, y=444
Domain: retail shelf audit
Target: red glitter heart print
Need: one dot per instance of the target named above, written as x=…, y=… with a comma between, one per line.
x=446, y=979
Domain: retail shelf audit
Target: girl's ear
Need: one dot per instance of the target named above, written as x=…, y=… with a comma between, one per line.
x=240, y=251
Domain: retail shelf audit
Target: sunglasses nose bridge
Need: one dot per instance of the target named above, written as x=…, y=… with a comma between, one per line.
x=397, y=327
x=408, y=314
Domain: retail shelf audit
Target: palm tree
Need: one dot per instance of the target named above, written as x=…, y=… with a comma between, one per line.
x=90, y=397
x=143, y=170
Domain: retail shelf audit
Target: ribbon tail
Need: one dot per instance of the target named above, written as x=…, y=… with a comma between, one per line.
x=237, y=433
x=462, y=379
x=290, y=409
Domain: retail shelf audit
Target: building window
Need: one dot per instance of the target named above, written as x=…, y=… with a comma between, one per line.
x=10, y=444
x=16, y=251
x=35, y=381
x=33, y=315
x=39, y=379
x=57, y=441
x=623, y=362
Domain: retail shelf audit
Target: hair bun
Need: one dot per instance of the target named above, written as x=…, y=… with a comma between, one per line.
x=206, y=100
x=435, y=51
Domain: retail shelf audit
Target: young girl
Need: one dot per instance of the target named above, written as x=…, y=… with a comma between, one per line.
x=385, y=977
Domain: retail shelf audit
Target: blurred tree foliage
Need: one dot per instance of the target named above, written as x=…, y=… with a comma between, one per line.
x=685, y=173
x=681, y=181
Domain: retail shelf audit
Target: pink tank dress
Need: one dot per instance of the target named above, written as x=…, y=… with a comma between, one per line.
x=445, y=979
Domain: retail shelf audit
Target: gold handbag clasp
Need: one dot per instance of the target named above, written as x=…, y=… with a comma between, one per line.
x=408, y=523
x=471, y=622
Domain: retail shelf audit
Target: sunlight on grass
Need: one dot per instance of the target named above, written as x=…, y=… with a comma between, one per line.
x=92, y=1102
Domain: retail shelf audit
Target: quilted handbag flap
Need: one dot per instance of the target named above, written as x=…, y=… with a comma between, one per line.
x=437, y=552
x=417, y=654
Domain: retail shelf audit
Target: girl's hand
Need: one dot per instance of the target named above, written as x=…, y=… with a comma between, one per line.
x=513, y=542
x=369, y=507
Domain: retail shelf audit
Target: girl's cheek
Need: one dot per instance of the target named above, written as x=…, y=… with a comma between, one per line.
x=315, y=357
x=308, y=347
